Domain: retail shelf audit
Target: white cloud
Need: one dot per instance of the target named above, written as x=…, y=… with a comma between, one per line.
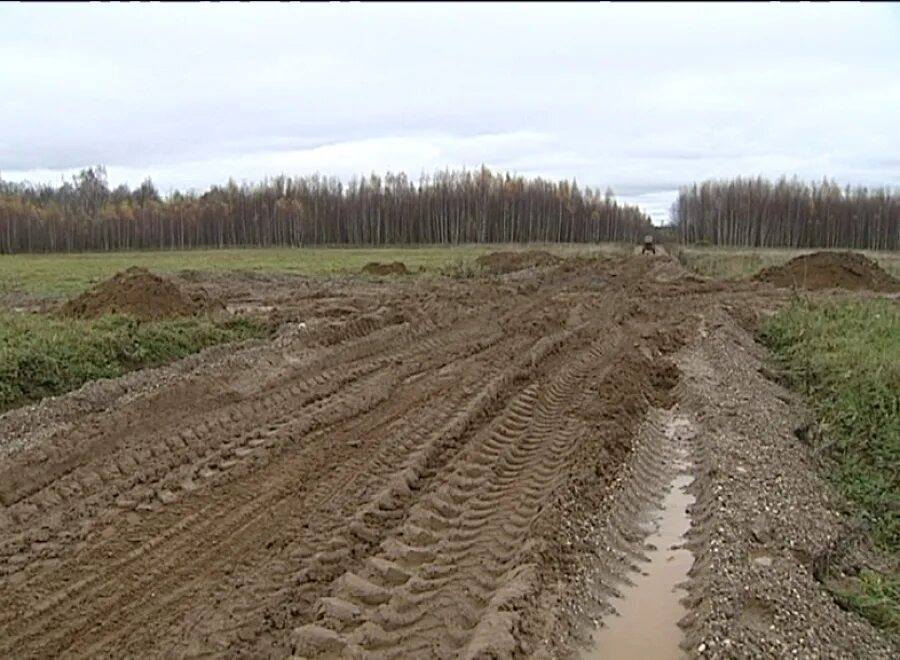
x=639, y=97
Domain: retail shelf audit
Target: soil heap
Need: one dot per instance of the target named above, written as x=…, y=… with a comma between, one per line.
x=141, y=294
x=499, y=263
x=830, y=270
x=378, y=268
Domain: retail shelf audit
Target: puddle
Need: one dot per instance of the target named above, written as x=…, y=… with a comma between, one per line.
x=647, y=628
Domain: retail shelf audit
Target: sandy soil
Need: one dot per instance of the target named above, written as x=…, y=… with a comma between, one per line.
x=425, y=467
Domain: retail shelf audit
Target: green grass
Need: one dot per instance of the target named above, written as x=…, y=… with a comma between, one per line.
x=739, y=263
x=846, y=356
x=875, y=596
x=44, y=356
x=68, y=274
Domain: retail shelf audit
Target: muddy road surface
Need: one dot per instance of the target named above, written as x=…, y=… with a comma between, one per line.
x=424, y=467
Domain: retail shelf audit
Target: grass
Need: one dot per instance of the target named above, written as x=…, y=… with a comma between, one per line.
x=846, y=356
x=874, y=596
x=44, y=356
x=69, y=274
x=739, y=263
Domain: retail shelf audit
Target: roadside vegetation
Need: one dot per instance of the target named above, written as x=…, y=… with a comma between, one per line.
x=846, y=356
x=41, y=355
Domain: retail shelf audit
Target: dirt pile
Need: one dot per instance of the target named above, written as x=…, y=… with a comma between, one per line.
x=378, y=268
x=830, y=270
x=498, y=263
x=141, y=294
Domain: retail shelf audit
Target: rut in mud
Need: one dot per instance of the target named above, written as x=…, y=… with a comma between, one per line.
x=394, y=476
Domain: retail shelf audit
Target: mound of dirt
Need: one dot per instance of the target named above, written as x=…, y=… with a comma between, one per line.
x=508, y=262
x=830, y=270
x=378, y=268
x=141, y=294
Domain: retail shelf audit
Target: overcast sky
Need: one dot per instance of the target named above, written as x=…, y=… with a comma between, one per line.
x=639, y=97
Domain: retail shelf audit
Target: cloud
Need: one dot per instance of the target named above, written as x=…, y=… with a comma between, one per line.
x=642, y=98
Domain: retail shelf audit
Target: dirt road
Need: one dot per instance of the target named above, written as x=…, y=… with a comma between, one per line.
x=416, y=472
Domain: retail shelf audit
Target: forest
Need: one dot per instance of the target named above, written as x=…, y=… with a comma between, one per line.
x=759, y=213
x=450, y=207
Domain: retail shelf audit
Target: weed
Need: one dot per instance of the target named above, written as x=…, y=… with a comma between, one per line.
x=873, y=595
x=461, y=269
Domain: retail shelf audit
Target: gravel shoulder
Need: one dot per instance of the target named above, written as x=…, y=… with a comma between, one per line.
x=763, y=514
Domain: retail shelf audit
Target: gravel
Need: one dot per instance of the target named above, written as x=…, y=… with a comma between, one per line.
x=763, y=514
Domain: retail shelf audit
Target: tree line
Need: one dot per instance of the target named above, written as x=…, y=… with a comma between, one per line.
x=759, y=213
x=449, y=207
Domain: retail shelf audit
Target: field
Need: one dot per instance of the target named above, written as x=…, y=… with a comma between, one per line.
x=67, y=274
x=474, y=460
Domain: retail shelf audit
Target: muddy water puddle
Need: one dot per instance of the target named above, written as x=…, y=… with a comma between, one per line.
x=646, y=626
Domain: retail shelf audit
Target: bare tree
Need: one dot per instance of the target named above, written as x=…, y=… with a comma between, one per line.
x=448, y=207
x=758, y=213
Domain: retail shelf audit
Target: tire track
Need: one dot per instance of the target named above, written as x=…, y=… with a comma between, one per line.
x=431, y=584
x=215, y=441
x=381, y=489
x=348, y=401
x=335, y=541
x=143, y=567
x=67, y=453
